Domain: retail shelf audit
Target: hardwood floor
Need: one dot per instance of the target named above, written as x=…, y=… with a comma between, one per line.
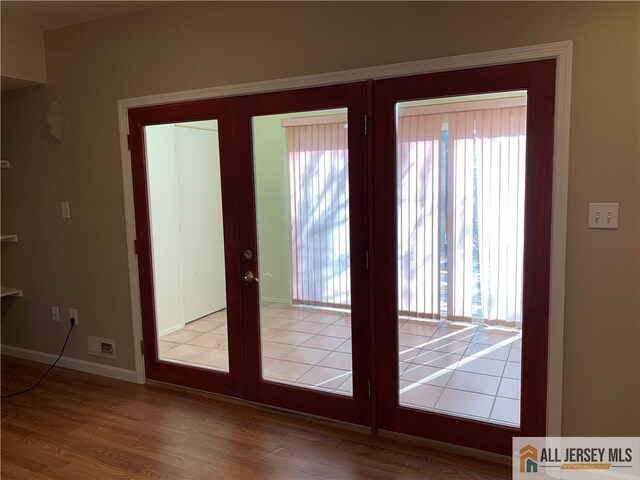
x=82, y=426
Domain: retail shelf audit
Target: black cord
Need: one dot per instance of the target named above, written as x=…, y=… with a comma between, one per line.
x=3, y=397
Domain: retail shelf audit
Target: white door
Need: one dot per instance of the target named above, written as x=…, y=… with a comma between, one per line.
x=199, y=183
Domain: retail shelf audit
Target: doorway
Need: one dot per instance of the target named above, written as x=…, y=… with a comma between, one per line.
x=380, y=245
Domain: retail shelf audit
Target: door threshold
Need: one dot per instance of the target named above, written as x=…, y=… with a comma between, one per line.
x=447, y=447
x=330, y=422
x=405, y=440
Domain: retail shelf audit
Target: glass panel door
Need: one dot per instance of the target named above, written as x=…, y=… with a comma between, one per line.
x=261, y=221
x=306, y=272
x=463, y=169
x=186, y=228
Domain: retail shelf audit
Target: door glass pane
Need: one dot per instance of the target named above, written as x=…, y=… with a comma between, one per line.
x=302, y=197
x=185, y=204
x=460, y=193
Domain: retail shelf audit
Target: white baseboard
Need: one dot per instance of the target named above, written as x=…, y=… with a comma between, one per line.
x=277, y=300
x=171, y=330
x=72, y=363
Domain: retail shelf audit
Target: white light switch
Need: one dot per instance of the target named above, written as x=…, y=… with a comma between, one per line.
x=66, y=213
x=603, y=215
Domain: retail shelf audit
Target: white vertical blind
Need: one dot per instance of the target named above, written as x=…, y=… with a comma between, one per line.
x=318, y=170
x=467, y=167
x=419, y=139
x=488, y=150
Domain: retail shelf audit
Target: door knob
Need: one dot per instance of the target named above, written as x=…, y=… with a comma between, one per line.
x=249, y=277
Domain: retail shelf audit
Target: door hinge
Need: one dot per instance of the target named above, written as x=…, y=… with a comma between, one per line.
x=135, y=246
x=142, y=347
x=369, y=387
x=365, y=123
x=128, y=141
x=366, y=259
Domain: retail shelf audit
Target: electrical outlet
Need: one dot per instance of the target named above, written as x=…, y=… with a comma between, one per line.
x=73, y=314
x=55, y=314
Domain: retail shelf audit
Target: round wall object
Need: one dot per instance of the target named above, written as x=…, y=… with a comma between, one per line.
x=56, y=120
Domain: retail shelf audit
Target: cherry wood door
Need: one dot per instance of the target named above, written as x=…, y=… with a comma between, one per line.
x=538, y=79
x=229, y=382
x=353, y=407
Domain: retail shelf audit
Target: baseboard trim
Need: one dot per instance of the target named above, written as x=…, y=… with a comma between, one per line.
x=277, y=300
x=72, y=363
x=172, y=329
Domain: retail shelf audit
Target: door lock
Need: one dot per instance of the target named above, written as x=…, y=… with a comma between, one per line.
x=247, y=254
x=249, y=277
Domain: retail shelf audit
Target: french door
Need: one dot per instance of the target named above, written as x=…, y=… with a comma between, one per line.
x=235, y=300
x=184, y=180
x=374, y=252
x=303, y=223
x=462, y=182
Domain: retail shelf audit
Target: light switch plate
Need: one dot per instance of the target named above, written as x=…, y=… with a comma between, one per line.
x=603, y=215
x=66, y=213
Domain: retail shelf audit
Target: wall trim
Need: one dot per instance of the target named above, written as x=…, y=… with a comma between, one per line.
x=560, y=51
x=72, y=363
x=167, y=331
x=284, y=301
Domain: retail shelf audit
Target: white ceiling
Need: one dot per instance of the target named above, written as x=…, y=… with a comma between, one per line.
x=49, y=15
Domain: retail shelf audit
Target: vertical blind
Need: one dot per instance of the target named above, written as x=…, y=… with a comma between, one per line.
x=460, y=184
x=419, y=147
x=488, y=151
x=319, y=189
x=461, y=178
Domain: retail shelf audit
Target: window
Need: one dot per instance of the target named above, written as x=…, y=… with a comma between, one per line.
x=319, y=190
x=461, y=170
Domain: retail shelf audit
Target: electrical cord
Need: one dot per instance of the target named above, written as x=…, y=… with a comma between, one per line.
x=3, y=397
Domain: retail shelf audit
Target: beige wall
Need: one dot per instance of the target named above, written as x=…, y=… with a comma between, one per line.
x=83, y=262
x=23, y=53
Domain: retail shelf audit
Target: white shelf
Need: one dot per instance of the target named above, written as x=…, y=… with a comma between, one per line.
x=8, y=237
x=10, y=291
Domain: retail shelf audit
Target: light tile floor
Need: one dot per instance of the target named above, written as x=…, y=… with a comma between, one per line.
x=453, y=368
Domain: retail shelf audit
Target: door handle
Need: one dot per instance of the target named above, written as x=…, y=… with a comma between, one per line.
x=249, y=277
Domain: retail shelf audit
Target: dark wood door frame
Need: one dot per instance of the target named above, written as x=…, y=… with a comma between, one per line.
x=354, y=409
x=538, y=78
x=231, y=383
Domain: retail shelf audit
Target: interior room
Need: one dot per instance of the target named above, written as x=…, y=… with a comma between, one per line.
x=253, y=252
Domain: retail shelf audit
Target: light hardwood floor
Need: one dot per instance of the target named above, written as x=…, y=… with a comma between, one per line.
x=81, y=426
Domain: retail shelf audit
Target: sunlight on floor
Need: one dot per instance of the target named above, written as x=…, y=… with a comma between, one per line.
x=457, y=369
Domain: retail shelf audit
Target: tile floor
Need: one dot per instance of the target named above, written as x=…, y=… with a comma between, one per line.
x=465, y=370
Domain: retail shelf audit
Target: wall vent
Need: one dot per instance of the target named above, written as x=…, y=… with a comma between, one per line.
x=101, y=347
